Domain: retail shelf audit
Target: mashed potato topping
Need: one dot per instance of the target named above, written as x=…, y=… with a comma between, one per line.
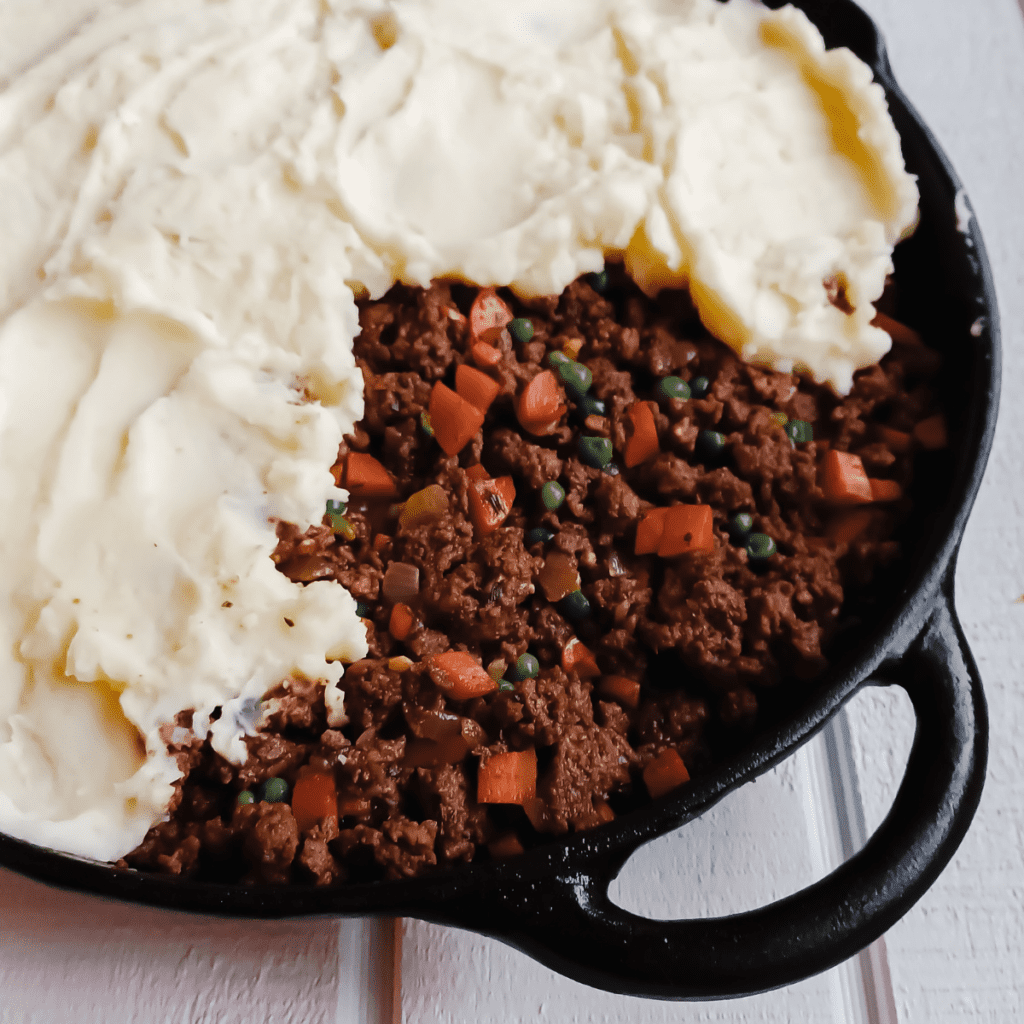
x=192, y=192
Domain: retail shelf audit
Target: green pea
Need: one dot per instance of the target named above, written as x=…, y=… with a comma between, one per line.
x=588, y=405
x=552, y=494
x=710, y=444
x=274, y=791
x=575, y=376
x=595, y=451
x=521, y=329
x=673, y=387
x=336, y=508
x=557, y=358
x=740, y=525
x=799, y=431
x=598, y=281
x=538, y=535
x=246, y=797
x=506, y=687
x=362, y=610
x=575, y=606
x=527, y=667
x=760, y=546
x=699, y=387
x=425, y=425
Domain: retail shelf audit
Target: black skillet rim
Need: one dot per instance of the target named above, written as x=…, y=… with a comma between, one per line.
x=841, y=23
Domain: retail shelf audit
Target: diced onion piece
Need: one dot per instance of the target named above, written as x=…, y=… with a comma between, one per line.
x=422, y=753
x=424, y=507
x=401, y=583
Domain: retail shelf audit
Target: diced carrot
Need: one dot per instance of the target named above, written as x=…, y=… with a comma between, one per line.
x=476, y=387
x=477, y=472
x=687, y=528
x=604, y=810
x=931, y=433
x=537, y=811
x=505, y=846
x=643, y=443
x=885, y=490
x=401, y=622
x=355, y=807
x=540, y=407
x=665, y=773
x=846, y=526
x=559, y=576
x=895, y=440
x=896, y=330
x=455, y=421
x=649, y=531
x=380, y=542
x=485, y=355
x=314, y=798
x=488, y=316
x=576, y=657
x=460, y=675
x=490, y=502
x=367, y=478
x=509, y=778
x=572, y=347
x=626, y=691
x=844, y=480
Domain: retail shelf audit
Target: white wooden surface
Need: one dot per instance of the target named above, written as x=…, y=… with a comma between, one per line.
x=956, y=957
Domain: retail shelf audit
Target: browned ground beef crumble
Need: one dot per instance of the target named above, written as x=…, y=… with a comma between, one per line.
x=706, y=633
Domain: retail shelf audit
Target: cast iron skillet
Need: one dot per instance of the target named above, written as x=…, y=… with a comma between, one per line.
x=552, y=902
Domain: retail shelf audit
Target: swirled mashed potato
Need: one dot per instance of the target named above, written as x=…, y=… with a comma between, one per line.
x=191, y=193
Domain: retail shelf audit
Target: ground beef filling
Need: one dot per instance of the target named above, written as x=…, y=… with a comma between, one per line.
x=638, y=654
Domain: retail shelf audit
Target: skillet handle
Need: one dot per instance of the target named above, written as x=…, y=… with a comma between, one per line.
x=574, y=928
